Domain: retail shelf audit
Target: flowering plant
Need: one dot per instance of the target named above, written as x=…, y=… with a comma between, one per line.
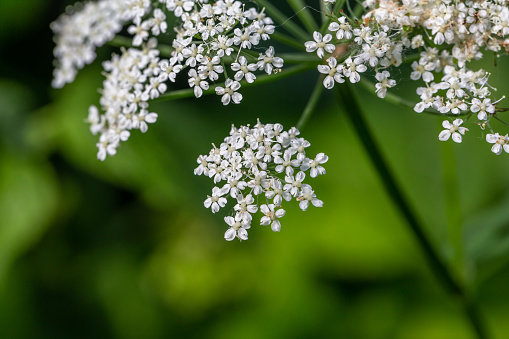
x=222, y=47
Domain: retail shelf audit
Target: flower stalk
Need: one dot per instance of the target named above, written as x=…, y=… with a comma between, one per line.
x=352, y=110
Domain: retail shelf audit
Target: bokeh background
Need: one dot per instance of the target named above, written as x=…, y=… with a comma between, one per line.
x=125, y=249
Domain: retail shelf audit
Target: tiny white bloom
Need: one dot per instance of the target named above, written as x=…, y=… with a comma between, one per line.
x=453, y=129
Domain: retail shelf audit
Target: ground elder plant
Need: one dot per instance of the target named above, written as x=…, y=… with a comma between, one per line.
x=221, y=47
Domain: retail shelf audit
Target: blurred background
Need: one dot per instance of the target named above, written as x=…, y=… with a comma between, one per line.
x=125, y=249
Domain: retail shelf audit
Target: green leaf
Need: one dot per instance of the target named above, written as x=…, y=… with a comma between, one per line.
x=486, y=240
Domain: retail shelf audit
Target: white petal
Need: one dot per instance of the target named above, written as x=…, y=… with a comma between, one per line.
x=444, y=135
x=230, y=234
x=497, y=149
x=276, y=226
x=242, y=234
x=317, y=202
x=280, y=213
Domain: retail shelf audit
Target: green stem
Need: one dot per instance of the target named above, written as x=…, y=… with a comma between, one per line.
x=299, y=58
x=323, y=13
x=300, y=7
x=354, y=113
x=187, y=93
x=290, y=26
x=289, y=41
x=313, y=100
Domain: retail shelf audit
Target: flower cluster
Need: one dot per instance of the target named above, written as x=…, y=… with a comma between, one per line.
x=255, y=162
x=448, y=35
x=80, y=31
x=212, y=41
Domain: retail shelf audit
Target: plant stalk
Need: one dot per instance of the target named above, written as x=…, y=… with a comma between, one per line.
x=352, y=109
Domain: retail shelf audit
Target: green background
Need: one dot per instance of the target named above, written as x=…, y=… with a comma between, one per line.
x=125, y=249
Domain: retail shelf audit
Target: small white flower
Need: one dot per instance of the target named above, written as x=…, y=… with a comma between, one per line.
x=306, y=196
x=343, y=28
x=500, y=142
x=314, y=165
x=483, y=107
x=333, y=71
x=238, y=228
x=244, y=69
x=229, y=92
x=216, y=200
x=271, y=216
x=268, y=61
x=320, y=45
x=383, y=84
x=245, y=207
x=196, y=80
x=453, y=129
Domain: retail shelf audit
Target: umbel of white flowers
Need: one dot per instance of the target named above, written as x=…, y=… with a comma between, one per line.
x=211, y=40
x=448, y=35
x=263, y=161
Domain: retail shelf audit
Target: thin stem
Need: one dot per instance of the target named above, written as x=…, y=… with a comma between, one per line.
x=289, y=41
x=298, y=58
x=323, y=14
x=187, y=93
x=351, y=108
x=300, y=8
x=502, y=121
x=313, y=100
x=290, y=26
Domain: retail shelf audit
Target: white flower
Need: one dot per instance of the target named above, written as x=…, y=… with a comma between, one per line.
x=352, y=68
x=294, y=184
x=238, y=228
x=383, y=84
x=343, y=28
x=229, y=92
x=271, y=216
x=453, y=129
x=216, y=200
x=483, y=107
x=244, y=69
x=245, y=207
x=320, y=45
x=306, y=196
x=333, y=72
x=268, y=61
x=196, y=80
x=314, y=165
x=500, y=142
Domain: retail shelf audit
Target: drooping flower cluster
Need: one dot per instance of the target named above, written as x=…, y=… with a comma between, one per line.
x=448, y=35
x=212, y=41
x=260, y=163
x=80, y=31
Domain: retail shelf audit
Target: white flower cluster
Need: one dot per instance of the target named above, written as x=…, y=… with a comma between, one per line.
x=82, y=29
x=260, y=161
x=208, y=37
x=449, y=35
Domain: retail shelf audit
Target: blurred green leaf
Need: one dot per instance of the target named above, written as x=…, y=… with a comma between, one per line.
x=28, y=201
x=486, y=240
